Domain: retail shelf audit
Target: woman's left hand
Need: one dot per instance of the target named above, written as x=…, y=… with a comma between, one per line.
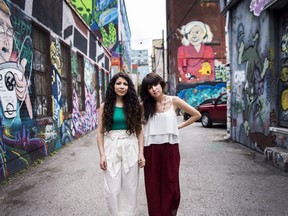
x=141, y=161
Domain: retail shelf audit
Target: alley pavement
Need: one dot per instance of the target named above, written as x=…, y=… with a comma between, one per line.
x=218, y=177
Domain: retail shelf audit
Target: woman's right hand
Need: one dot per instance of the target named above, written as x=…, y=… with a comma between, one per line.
x=142, y=161
x=103, y=163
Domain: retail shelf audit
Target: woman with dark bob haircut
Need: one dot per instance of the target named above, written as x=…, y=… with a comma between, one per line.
x=120, y=144
x=161, y=150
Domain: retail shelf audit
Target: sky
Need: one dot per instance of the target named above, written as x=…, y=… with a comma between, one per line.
x=147, y=19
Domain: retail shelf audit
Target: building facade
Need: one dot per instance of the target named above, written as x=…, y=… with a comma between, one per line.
x=54, y=72
x=159, y=65
x=109, y=22
x=141, y=59
x=196, y=60
x=258, y=48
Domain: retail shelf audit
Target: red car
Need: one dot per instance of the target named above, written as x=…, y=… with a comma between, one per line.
x=214, y=112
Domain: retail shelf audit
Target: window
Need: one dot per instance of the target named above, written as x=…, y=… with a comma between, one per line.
x=222, y=99
x=66, y=79
x=41, y=72
x=80, y=83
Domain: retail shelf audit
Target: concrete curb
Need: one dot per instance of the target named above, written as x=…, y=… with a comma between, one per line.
x=278, y=156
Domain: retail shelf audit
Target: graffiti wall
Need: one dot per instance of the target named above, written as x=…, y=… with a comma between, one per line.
x=195, y=59
x=283, y=81
x=102, y=17
x=24, y=135
x=194, y=96
x=196, y=62
x=196, y=41
x=251, y=77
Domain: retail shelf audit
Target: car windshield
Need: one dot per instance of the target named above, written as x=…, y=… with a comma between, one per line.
x=222, y=99
x=207, y=101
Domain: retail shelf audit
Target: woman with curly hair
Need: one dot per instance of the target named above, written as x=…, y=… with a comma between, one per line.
x=161, y=139
x=120, y=144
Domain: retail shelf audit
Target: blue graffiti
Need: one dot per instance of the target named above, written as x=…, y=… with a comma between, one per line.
x=194, y=96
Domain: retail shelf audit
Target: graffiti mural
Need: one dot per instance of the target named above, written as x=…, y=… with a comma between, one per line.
x=55, y=55
x=102, y=17
x=283, y=81
x=195, y=59
x=18, y=143
x=220, y=71
x=84, y=8
x=254, y=83
x=257, y=6
x=105, y=22
x=194, y=96
x=251, y=81
x=83, y=122
x=15, y=66
x=25, y=134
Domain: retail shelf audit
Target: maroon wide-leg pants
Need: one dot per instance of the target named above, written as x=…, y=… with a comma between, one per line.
x=162, y=179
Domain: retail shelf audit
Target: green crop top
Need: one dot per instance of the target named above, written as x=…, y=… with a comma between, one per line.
x=119, y=119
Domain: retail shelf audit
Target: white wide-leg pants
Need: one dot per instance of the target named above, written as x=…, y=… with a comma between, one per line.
x=122, y=174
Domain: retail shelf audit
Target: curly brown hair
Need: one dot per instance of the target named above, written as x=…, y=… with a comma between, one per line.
x=132, y=108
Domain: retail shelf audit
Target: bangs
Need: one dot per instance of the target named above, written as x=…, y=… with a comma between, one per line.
x=152, y=81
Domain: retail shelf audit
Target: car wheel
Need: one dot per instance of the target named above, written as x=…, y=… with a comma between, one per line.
x=206, y=120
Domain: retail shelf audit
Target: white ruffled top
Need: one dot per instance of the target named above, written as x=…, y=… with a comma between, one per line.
x=162, y=128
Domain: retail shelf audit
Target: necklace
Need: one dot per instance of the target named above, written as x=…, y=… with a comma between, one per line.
x=164, y=104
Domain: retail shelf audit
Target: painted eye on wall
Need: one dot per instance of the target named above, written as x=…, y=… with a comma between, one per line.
x=10, y=81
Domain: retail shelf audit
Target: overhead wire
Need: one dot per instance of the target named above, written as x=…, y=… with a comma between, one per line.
x=182, y=20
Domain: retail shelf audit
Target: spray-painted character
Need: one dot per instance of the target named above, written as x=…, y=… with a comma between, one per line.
x=196, y=60
x=13, y=84
x=255, y=72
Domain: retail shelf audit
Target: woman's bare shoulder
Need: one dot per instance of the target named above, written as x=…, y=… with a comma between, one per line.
x=175, y=99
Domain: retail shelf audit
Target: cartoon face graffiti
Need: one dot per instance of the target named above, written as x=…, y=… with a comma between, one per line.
x=196, y=35
x=6, y=37
x=13, y=82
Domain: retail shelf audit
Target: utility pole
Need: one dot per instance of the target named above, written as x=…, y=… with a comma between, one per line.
x=163, y=54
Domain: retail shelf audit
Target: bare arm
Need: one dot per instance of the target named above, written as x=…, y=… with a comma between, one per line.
x=181, y=104
x=100, y=138
x=140, y=137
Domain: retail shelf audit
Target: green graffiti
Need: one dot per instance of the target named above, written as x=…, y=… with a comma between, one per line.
x=96, y=15
x=22, y=27
x=111, y=37
x=84, y=8
x=112, y=30
x=22, y=38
